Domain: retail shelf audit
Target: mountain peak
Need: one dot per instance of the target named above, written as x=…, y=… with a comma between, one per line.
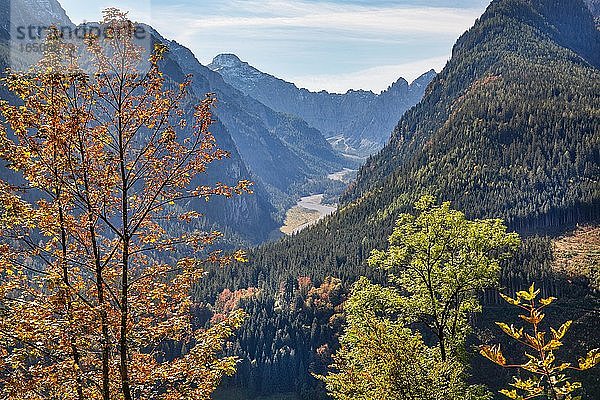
x=226, y=60
x=400, y=82
x=424, y=79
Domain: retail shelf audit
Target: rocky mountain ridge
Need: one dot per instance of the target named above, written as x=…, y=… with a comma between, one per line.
x=357, y=123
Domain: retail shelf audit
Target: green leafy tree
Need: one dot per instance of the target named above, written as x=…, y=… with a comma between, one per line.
x=549, y=380
x=443, y=260
x=437, y=262
x=380, y=358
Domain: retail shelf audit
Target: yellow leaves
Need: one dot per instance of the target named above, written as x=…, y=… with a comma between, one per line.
x=160, y=49
x=510, y=330
x=534, y=318
x=493, y=353
x=510, y=300
x=151, y=237
x=168, y=135
x=243, y=186
x=552, y=345
x=530, y=385
x=187, y=262
x=240, y=256
x=534, y=341
x=569, y=388
x=547, y=377
x=557, y=335
x=189, y=216
x=563, y=366
x=529, y=295
x=511, y=394
x=547, y=301
x=590, y=360
x=524, y=295
x=550, y=358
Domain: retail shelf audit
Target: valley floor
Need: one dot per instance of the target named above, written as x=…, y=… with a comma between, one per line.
x=306, y=212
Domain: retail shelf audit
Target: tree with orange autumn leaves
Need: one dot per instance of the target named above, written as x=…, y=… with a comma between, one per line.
x=93, y=282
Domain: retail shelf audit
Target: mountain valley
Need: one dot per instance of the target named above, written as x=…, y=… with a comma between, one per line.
x=502, y=144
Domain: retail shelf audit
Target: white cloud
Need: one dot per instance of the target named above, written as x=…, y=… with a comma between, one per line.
x=376, y=79
x=327, y=16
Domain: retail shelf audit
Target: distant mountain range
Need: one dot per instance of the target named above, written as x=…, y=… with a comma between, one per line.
x=283, y=153
x=358, y=122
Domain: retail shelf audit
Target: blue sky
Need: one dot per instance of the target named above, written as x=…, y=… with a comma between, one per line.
x=333, y=45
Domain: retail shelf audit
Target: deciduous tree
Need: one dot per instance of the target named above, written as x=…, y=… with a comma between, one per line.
x=381, y=358
x=437, y=261
x=94, y=279
x=443, y=261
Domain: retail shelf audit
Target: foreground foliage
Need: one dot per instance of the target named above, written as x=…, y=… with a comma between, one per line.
x=380, y=358
x=548, y=380
x=438, y=261
x=443, y=261
x=93, y=280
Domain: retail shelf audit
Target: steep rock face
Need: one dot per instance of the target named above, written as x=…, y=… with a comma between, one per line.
x=384, y=112
x=18, y=15
x=594, y=6
x=357, y=122
x=281, y=150
x=25, y=12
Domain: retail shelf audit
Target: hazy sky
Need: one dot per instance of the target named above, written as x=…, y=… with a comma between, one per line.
x=333, y=45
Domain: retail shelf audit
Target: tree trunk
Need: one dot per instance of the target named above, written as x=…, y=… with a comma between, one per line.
x=442, y=339
x=103, y=318
x=123, y=348
x=65, y=272
x=105, y=388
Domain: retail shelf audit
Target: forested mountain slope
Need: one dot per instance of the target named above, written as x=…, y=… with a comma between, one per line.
x=358, y=121
x=510, y=126
x=509, y=129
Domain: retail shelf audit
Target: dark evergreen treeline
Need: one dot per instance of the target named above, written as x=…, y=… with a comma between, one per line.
x=291, y=332
x=294, y=321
